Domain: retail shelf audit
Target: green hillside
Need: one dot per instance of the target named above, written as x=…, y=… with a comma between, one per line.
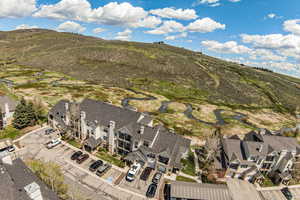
x=173, y=73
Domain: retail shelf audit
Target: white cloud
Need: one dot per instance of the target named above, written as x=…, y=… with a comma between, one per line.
x=211, y=3
x=25, y=26
x=111, y=14
x=205, y=25
x=230, y=47
x=70, y=26
x=147, y=22
x=234, y=1
x=272, y=41
x=292, y=26
x=118, y=14
x=125, y=35
x=174, y=37
x=267, y=55
x=98, y=30
x=271, y=15
x=167, y=27
x=17, y=8
x=66, y=9
x=183, y=14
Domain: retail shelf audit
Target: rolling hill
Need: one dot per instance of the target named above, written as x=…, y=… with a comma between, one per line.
x=178, y=74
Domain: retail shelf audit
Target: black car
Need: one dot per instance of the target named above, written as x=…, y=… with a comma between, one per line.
x=167, y=191
x=49, y=131
x=95, y=165
x=151, y=190
x=145, y=174
x=287, y=193
x=156, y=178
x=76, y=155
x=82, y=158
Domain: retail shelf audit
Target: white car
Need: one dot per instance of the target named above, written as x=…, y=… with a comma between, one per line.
x=53, y=143
x=134, y=170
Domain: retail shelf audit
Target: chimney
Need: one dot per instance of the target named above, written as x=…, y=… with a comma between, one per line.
x=6, y=107
x=142, y=129
x=33, y=190
x=67, y=106
x=83, y=115
x=111, y=137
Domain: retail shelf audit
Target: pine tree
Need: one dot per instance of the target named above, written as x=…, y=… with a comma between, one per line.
x=24, y=115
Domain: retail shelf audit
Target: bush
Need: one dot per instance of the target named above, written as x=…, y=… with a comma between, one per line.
x=51, y=174
x=189, y=165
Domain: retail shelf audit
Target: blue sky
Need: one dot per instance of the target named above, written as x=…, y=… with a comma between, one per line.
x=264, y=33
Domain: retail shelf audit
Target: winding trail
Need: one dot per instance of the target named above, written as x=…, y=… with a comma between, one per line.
x=220, y=121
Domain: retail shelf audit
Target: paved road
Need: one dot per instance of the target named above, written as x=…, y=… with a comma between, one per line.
x=82, y=182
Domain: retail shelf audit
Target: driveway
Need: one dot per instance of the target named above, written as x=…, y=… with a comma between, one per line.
x=78, y=177
x=140, y=186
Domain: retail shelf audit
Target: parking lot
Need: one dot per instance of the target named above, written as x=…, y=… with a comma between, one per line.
x=33, y=146
x=140, y=186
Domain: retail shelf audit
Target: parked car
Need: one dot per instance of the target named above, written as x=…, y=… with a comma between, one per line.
x=11, y=148
x=287, y=193
x=53, y=143
x=49, y=131
x=102, y=169
x=82, y=158
x=167, y=191
x=151, y=190
x=134, y=170
x=76, y=155
x=156, y=178
x=145, y=174
x=95, y=165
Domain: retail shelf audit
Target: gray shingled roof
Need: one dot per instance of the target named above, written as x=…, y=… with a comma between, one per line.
x=232, y=149
x=256, y=148
x=20, y=176
x=104, y=113
x=59, y=109
x=133, y=129
x=240, y=189
x=12, y=104
x=175, y=145
x=199, y=191
x=280, y=143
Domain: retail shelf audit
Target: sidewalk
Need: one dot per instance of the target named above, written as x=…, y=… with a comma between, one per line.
x=93, y=156
x=191, y=177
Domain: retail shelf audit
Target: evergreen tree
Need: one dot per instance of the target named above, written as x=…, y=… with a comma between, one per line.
x=24, y=115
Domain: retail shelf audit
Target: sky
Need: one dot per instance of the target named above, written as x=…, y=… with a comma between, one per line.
x=260, y=33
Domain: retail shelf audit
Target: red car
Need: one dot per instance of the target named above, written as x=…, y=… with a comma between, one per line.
x=82, y=158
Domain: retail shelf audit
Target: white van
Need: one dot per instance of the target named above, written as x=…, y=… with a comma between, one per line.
x=53, y=143
x=134, y=170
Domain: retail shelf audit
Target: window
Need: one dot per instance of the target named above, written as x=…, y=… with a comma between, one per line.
x=146, y=143
x=259, y=161
x=252, y=158
x=234, y=166
x=244, y=166
x=136, y=144
x=270, y=158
